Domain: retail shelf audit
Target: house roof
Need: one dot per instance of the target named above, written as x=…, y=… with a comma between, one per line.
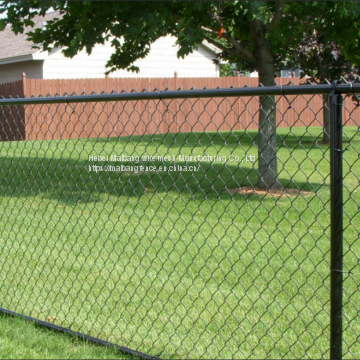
x=14, y=46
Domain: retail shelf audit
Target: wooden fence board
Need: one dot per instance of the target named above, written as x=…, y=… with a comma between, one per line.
x=62, y=121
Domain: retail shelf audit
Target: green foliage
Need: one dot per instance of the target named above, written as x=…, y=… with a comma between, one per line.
x=231, y=70
x=283, y=27
x=328, y=45
x=226, y=70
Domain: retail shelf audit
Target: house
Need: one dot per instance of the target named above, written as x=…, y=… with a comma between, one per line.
x=17, y=56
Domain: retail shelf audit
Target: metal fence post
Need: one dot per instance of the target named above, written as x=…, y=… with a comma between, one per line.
x=336, y=198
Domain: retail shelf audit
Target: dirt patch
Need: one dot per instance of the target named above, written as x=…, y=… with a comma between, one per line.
x=276, y=192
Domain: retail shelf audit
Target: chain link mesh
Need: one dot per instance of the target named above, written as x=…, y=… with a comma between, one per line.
x=141, y=223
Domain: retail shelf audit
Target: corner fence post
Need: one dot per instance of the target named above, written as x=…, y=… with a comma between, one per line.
x=336, y=200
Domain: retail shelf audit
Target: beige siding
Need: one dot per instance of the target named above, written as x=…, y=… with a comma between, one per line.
x=161, y=62
x=12, y=72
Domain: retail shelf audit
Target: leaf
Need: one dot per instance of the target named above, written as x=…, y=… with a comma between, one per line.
x=28, y=22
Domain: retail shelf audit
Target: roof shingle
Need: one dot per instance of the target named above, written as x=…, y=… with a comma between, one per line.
x=17, y=45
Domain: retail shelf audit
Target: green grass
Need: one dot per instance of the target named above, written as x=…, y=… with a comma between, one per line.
x=20, y=339
x=170, y=264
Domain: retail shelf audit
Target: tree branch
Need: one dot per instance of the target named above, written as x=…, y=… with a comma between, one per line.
x=217, y=44
x=278, y=14
x=242, y=52
x=210, y=30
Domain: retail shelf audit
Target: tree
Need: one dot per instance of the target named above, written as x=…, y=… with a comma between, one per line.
x=319, y=55
x=249, y=34
x=323, y=62
x=227, y=69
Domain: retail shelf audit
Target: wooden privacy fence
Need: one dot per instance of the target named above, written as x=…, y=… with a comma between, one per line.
x=109, y=119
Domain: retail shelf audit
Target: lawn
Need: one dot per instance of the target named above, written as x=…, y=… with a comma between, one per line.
x=21, y=339
x=171, y=263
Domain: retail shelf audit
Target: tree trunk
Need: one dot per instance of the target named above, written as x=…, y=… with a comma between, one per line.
x=267, y=148
x=326, y=115
x=326, y=104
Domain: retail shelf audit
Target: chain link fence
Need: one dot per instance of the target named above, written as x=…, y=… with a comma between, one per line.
x=137, y=219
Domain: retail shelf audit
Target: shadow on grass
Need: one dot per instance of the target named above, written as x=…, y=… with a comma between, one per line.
x=70, y=180
x=294, y=139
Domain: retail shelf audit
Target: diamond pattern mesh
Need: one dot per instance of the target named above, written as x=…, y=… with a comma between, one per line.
x=141, y=223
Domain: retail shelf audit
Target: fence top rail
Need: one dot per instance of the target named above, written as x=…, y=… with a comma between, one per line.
x=187, y=94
